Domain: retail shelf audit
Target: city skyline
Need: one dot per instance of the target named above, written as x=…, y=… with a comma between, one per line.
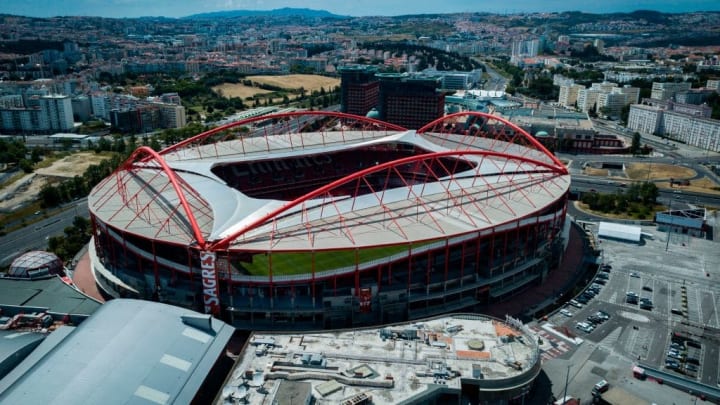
x=183, y=8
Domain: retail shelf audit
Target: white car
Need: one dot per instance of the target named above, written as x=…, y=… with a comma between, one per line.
x=585, y=327
x=575, y=304
x=566, y=312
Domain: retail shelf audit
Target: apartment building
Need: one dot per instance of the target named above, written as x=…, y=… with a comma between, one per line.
x=587, y=99
x=666, y=91
x=645, y=119
x=569, y=94
x=683, y=122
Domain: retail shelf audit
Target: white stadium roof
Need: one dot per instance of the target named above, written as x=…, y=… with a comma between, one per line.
x=507, y=182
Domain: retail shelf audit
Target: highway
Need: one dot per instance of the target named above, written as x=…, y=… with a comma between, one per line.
x=35, y=236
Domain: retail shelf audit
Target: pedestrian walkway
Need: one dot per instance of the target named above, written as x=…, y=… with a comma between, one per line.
x=553, y=285
x=84, y=279
x=551, y=346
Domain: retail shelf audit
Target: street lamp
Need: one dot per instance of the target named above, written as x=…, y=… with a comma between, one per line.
x=672, y=220
x=567, y=377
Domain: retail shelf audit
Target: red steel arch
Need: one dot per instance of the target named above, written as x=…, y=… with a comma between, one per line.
x=438, y=123
x=146, y=154
x=223, y=243
x=204, y=135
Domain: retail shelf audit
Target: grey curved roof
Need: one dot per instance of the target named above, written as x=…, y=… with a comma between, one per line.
x=129, y=351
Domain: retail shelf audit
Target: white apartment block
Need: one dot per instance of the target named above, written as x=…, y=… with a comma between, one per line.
x=587, y=99
x=569, y=94
x=613, y=102
x=560, y=80
x=692, y=130
x=645, y=119
x=605, y=87
x=100, y=106
x=701, y=132
x=666, y=91
x=713, y=84
x=172, y=115
x=56, y=113
x=18, y=120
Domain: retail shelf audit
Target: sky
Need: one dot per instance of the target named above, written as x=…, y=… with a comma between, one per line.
x=182, y=8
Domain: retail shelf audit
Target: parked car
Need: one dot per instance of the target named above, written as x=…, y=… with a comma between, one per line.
x=677, y=346
x=647, y=288
x=575, y=304
x=602, y=314
x=601, y=386
x=672, y=364
x=635, y=275
x=585, y=327
x=566, y=312
x=595, y=320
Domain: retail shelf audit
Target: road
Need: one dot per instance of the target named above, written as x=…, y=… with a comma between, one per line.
x=36, y=235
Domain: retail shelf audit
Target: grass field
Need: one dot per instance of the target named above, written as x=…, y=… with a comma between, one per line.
x=289, y=82
x=229, y=90
x=302, y=263
x=295, y=82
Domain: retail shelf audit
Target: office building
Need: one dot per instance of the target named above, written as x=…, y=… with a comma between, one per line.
x=410, y=101
x=359, y=89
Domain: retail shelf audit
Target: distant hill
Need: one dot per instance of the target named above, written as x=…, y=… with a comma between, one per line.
x=279, y=12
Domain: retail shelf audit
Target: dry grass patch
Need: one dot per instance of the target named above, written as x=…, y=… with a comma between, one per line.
x=703, y=185
x=657, y=171
x=294, y=82
x=71, y=165
x=229, y=90
x=592, y=171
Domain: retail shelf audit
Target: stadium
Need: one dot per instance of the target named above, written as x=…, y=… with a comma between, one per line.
x=315, y=219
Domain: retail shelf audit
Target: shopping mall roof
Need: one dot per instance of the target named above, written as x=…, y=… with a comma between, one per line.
x=14, y=346
x=129, y=351
x=50, y=293
x=393, y=364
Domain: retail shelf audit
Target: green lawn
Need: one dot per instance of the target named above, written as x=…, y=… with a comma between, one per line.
x=301, y=263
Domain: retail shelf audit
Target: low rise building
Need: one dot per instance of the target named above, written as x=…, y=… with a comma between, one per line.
x=438, y=360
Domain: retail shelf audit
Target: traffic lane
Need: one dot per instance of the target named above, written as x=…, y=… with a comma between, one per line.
x=35, y=236
x=710, y=365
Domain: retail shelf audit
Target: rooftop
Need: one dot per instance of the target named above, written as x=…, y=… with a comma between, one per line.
x=49, y=293
x=129, y=351
x=391, y=364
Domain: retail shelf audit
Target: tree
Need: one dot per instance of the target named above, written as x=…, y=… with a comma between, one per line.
x=26, y=165
x=50, y=196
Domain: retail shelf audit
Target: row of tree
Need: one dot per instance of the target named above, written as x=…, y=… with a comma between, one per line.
x=636, y=200
x=73, y=239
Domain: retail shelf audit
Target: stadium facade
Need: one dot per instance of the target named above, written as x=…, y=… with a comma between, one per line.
x=325, y=220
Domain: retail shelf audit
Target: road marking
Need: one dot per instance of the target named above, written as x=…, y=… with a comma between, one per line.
x=714, y=314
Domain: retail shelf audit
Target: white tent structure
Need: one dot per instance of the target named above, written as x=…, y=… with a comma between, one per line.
x=610, y=230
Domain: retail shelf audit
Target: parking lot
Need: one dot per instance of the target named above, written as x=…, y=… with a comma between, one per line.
x=651, y=292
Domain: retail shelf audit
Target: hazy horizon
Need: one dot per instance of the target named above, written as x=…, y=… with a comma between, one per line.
x=183, y=8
